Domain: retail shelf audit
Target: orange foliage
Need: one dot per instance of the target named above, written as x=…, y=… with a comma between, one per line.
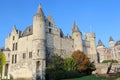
x=81, y=59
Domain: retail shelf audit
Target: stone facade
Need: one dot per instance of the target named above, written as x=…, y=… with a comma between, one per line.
x=113, y=52
x=27, y=51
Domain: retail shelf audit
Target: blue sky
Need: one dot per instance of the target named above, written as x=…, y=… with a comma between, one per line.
x=99, y=16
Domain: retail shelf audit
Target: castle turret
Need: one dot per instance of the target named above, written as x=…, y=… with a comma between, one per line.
x=39, y=42
x=100, y=44
x=77, y=36
x=93, y=52
x=39, y=24
x=111, y=42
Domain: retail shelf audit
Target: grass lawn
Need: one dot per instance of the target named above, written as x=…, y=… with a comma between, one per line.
x=92, y=77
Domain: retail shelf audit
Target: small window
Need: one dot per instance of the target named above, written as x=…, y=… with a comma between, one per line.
x=50, y=30
x=13, y=37
x=38, y=51
x=13, y=47
x=12, y=59
x=16, y=46
x=24, y=55
x=30, y=54
x=29, y=30
x=16, y=58
x=49, y=23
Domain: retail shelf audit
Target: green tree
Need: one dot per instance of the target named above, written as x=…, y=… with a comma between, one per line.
x=2, y=62
x=56, y=62
x=91, y=67
x=70, y=64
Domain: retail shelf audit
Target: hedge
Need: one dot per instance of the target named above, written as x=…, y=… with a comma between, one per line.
x=107, y=61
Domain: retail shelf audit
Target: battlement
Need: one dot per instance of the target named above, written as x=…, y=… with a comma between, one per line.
x=90, y=35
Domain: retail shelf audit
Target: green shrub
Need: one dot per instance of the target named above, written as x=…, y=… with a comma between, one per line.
x=60, y=74
x=107, y=61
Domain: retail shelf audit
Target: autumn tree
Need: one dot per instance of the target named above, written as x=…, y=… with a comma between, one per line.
x=81, y=59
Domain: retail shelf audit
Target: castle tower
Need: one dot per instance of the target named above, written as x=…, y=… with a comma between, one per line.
x=111, y=42
x=39, y=42
x=93, y=52
x=77, y=36
x=101, y=51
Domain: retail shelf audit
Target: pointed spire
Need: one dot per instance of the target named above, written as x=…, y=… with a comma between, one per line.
x=39, y=9
x=40, y=13
x=100, y=43
x=14, y=27
x=111, y=39
x=75, y=28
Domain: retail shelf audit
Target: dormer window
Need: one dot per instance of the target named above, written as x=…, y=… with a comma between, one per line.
x=29, y=29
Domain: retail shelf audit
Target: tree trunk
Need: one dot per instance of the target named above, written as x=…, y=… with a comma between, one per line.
x=109, y=68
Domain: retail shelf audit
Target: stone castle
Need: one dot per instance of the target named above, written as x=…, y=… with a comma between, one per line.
x=113, y=52
x=27, y=51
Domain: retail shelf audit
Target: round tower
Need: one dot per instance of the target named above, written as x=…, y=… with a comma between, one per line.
x=39, y=42
x=111, y=42
x=77, y=37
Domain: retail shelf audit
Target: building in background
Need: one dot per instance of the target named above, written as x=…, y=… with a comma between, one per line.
x=113, y=52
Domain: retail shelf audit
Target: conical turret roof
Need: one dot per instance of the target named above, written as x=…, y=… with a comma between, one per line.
x=111, y=39
x=75, y=28
x=100, y=43
x=40, y=12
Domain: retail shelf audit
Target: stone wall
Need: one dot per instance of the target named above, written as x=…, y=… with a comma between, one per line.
x=102, y=67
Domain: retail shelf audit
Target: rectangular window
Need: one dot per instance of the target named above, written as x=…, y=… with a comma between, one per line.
x=12, y=59
x=13, y=37
x=38, y=52
x=50, y=30
x=24, y=55
x=16, y=46
x=30, y=54
x=13, y=46
x=49, y=23
x=16, y=58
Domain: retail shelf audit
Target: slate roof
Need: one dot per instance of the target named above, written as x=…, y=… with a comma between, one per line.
x=3, y=49
x=28, y=31
x=117, y=43
x=100, y=43
x=111, y=39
